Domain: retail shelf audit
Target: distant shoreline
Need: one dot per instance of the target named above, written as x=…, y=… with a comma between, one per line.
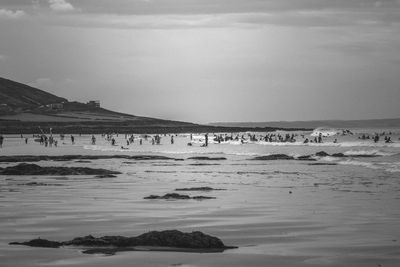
x=90, y=127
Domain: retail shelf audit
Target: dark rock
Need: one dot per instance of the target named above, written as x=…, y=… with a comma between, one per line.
x=274, y=157
x=322, y=164
x=85, y=158
x=33, y=169
x=177, y=196
x=202, y=164
x=204, y=188
x=321, y=154
x=207, y=158
x=189, y=242
x=39, y=184
x=106, y=176
x=42, y=243
x=306, y=157
x=168, y=196
x=202, y=197
x=338, y=155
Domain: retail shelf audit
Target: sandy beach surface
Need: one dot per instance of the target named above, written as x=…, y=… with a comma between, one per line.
x=339, y=212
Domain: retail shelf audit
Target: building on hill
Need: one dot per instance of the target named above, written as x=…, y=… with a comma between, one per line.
x=56, y=106
x=94, y=103
x=5, y=108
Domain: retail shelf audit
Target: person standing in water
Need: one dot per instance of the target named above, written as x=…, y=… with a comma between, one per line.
x=93, y=140
x=206, y=144
x=1, y=140
x=72, y=139
x=172, y=139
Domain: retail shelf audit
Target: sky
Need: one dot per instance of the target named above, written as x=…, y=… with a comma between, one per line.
x=210, y=60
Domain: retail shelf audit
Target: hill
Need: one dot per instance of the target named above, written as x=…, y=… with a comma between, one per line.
x=15, y=97
x=23, y=109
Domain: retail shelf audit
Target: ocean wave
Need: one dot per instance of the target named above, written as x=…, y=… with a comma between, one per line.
x=385, y=166
x=106, y=148
x=331, y=144
x=359, y=163
x=374, y=152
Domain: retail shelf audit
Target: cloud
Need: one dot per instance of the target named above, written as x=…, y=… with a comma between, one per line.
x=303, y=19
x=9, y=14
x=61, y=5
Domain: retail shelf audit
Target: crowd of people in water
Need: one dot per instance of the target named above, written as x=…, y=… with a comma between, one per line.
x=376, y=137
x=49, y=140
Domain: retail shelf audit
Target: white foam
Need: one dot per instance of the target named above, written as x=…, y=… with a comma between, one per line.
x=374, y=152
x=359, y=163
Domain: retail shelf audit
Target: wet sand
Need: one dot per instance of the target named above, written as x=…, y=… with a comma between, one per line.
x=279, y=213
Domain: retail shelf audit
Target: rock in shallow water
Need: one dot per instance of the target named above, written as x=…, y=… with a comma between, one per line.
x=38, y=242
x=274, y=157
x=207, y=158
x=204, y=188
x=33, y=169
x=30, y=158
x=177, y=196
x=194, y=242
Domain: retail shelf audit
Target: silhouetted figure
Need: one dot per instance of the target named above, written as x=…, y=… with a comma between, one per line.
x=1, y=140
x=72, y=139
x=320, y=138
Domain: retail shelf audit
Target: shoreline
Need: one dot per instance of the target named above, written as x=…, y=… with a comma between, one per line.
x=90, y=127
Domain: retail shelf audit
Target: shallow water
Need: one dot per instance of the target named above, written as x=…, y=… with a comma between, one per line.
x=279, y=213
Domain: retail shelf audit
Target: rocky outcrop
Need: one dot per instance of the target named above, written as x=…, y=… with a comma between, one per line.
x=177, y=196
x=306, y=157
x=322, y=164
x=207, y=158
x=196, y=241
x=42, y=243
x=81, y=158
x=321, y=154
x=204, y=188
x=33, y=169
x=341, y=155
x=39, y=184
x=274, y=157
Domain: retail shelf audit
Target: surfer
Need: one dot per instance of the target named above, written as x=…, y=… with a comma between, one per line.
x=172, y=139
x=72, y=139
x=1, y=140
x=93, y=140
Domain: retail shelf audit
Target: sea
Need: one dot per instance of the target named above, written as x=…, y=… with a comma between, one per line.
x=325, y=211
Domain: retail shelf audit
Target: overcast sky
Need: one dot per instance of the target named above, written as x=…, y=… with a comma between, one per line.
x=210, y=60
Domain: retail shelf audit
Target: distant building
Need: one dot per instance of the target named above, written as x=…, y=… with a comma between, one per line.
x=56, y=106
x=94, y=103
x=4, y=107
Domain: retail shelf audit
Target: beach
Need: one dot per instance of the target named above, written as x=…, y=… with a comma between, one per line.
x=324, y=211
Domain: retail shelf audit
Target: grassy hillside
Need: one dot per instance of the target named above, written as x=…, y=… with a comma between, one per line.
x=16, y=96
